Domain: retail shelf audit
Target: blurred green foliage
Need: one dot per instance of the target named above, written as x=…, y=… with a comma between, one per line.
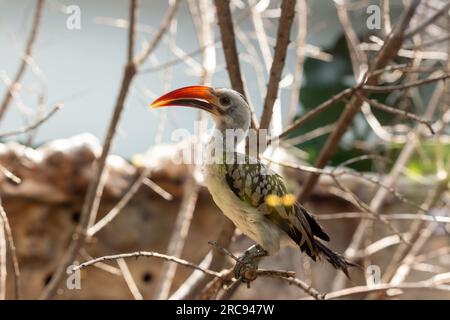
x=322, y=81
x=325, y=79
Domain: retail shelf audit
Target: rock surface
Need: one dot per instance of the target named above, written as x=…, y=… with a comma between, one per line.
x=44, y=209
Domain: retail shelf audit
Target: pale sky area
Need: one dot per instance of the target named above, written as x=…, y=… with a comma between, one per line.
x=83, y=68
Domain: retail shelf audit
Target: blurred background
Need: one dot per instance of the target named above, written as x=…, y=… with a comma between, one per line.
x=82, y=67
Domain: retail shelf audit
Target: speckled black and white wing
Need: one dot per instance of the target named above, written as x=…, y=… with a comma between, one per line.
x=253, y=183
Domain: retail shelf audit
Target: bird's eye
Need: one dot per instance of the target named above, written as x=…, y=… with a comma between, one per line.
x=225, y=101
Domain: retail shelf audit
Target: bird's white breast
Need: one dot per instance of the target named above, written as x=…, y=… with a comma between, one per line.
x=246, y=218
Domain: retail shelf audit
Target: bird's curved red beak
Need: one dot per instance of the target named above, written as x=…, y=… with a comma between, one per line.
x=200, y=97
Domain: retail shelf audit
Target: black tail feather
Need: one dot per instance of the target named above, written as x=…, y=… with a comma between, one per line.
x=307, y=233
x=335, y=259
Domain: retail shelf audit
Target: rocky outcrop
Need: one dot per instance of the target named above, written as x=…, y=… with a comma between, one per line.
x=45, y=207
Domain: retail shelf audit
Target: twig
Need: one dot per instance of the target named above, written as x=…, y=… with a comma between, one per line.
x=223, y=250
x=157, y=189
x=357, y=56
x=437, y=283
x=25, y=58
x=383, y=89
x=405, y=253
x=302, y=25
x=242, y=17
x=379, y=245
x=178, y=238
x=215, y=260
x=390, y=180
x=431, y=55
x=146, y=254
x=95, y=189
x=137, y=295
x=40, y=114
x=284, y=29
x=314, y=112
x=203, y=21
x=308, y=136
x=134, y=187
x=195, y=283
x=403, y=113
x=261, y=35
x=151, y=46
x=264, y=47
x=3, y=268
x=9, y=175
x=227, y=35
x=229, y=44
x=391, y=216
x=429, y=43
x=246, y=271
x=287, y=276
x=387, y=28
x=33, y=126
x=12, y=251
x=229, y=291
x=433, y=254
x=212, y=288
x=363, y=206
x=252, y=58
x=429, y=21
x=405, y=68
x=134, y=11
x=337, y=171
x=386, y=54
x=102, y=266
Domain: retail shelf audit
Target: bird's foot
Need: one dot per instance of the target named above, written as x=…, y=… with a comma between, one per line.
x=247, y=265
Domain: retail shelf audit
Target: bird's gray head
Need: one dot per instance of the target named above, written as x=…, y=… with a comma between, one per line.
x=233, y=110
x=228, y=108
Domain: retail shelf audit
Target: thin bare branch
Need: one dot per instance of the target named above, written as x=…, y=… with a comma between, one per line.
x=226, y=27
x=314, y=112
x=178, y=238
x=390, y=180
x=25, y=58
x=386, y=54
x=302, y=24
x=402, y=113
x=137, y=295
x=381, y=89
x=9, y=175
x=294, y=281
x=3, y=268
x=225, y=22
x=279, y=58
x=147, y=254
x=151, y=46
x=12, y=251
x=392, y=216
x=95, y=188
x=357, y=56
x=124, y=200
x=33, y=126
x=428, y=22
x=387, y=28
x=437, y=282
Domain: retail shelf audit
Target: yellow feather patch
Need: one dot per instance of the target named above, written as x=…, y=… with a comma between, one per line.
x=272, y=200
x=288, y=200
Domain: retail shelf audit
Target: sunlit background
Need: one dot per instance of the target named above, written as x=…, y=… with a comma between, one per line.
x=83, y=68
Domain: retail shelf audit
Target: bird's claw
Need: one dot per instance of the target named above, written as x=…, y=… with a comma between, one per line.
x=247, y=265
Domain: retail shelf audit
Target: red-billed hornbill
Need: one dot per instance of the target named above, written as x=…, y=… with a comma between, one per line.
x=248, y=193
